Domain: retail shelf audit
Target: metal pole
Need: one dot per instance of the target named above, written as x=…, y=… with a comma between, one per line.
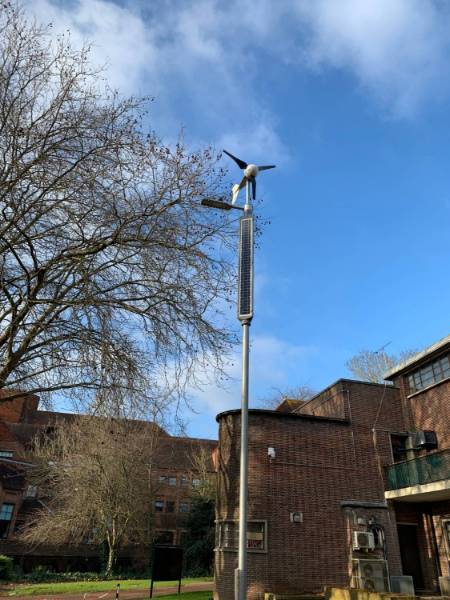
x=241, y=571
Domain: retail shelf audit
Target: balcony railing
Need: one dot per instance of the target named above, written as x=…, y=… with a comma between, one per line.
x=418, y=471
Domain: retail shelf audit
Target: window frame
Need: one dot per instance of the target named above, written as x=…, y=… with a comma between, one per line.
x=428, y=375
x=235, y=522
x=7, y=521
x=160, y=532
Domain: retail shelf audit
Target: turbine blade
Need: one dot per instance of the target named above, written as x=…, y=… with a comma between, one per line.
x=237, y=187
x=234, y=193
x=254, y=188
x=240, y=163
x=265, y=167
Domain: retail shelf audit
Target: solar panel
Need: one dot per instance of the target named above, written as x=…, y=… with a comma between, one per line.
x=245, y=281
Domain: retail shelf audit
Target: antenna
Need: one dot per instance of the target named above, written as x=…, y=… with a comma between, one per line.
x=382, y=348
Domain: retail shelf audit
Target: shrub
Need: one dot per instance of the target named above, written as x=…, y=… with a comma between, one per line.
x=6, y=568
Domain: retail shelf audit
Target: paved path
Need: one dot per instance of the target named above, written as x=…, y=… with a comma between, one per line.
x=124, y=594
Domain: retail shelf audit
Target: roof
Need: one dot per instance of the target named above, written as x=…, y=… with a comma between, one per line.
x=408, y=363
x=282, y=415
x=289, y=404
x=344, y=380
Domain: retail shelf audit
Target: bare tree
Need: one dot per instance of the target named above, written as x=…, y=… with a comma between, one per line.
x=109, y=268
x=95, y=484
x=300, y=392
x=203, y=473
x=372, y=366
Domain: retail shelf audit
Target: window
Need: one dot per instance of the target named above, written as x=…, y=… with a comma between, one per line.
x=6, y=513
x=164, y=537
x=183, y=507
x=196, y=482
x=6, y=453
x=159, y=505
x=228, y=535
x=446, y=532
x=432, y=373
x=162, y=479
x=398, y=444
x=184, y=480
x=172, y=480
x=170, y=506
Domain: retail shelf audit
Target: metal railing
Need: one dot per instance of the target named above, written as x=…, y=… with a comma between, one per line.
x=418, y=471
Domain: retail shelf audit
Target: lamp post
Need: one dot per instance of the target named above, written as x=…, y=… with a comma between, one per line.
x=245, y=315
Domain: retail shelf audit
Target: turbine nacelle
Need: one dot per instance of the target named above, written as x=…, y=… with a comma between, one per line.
x=250, y=173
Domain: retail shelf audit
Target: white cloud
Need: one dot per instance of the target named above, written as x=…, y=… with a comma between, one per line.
x=188, y=54
x=274, y=363
x=211, y=56
x=397, y=49
x=120, y=39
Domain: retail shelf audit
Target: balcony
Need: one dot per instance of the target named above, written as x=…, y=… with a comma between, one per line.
x=422, y=479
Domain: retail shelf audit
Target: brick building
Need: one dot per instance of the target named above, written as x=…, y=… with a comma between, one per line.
x=354, y=490
x=174, y=478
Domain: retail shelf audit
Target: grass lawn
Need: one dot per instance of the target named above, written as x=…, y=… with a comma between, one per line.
x=74, y=587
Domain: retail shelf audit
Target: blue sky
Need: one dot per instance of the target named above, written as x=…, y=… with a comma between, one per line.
x=351, y=100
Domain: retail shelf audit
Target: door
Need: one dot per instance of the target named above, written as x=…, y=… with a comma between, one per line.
x=409, y=552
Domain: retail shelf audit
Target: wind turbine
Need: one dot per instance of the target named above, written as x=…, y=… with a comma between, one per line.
x=245, y=316
x=250, y=173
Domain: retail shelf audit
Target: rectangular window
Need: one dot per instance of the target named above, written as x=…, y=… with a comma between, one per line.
x=429, y=374
x=162, y=479
x=164, y=537
x=228, y=535
x=172, y=480
x=170, y=506
x=183, y=507
x=184, y=480
x=6, y=453
x=196, y=482
x=6, y=514
x=159, y=505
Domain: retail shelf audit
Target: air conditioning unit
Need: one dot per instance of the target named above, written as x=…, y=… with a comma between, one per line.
x=425, y=439
x=363, y=540
x=370, y=575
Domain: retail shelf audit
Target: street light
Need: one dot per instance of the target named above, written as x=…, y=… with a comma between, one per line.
x=220, y=204
x=245, y=315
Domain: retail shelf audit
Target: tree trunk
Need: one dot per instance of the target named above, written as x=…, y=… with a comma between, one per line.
x=111, y=559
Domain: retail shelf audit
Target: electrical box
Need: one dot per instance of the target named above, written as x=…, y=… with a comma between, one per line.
x=296, y=517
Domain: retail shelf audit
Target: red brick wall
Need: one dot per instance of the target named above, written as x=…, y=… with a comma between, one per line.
x=319, y=464
x=17, y=410
x=429, y=409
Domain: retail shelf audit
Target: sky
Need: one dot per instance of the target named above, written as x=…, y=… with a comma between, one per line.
x=351, y=100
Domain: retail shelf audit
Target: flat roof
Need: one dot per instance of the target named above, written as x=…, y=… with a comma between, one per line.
x=417, y=357
x=283, y=415
x=347, y=380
